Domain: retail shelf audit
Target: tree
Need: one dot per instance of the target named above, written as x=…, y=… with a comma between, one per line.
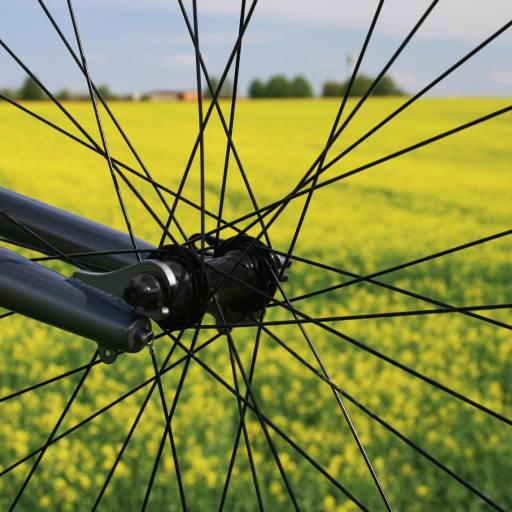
x=386, y=86
x=331, y=89
x=63, y=94
x=278, y=87
x=105, y=92
x=256, y=89
x=300, y=88
x=226, y=89
x=8, y=92
x=359, y=86
x=30, y=90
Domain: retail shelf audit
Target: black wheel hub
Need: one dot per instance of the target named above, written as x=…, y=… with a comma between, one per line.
x=235, y=281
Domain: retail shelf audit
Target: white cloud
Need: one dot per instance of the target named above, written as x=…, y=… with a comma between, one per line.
x=179, y=59
x=467, y=20
x=502, y=77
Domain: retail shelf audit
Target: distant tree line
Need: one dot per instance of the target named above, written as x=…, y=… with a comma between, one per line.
x=386, y=86
x=30, y=90
x=279, y=86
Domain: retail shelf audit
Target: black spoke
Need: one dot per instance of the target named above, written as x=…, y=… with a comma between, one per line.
x=381, y=74
x=239, y=430
x=407, y=264
x=227, y=131
x=231, y=121
x=115, y=402
x=409, y=370
x=56, y=378
x=332, y=133
x=382, y=356
x=100, y=129
x=393, y=288
x=42, y=239
x=200, y=122
x=116, y=163
x=213, y=103
x=278, y=430
x=169, y=432
x=92, y=143
x=259, y=414
x=68, y=405
x=337, y=397
x=168, y=421
x=244, y=430
x=385, y=424
x=365, y=316
x=108, y=110
x=418, y=95
x=131, y=431
x=281, y=204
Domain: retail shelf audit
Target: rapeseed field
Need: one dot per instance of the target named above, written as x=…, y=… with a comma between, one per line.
x=450, y=192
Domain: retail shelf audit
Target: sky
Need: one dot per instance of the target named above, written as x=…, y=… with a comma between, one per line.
x=137, y=46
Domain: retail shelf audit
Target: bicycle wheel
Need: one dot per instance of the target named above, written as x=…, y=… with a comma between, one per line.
x=295, y=320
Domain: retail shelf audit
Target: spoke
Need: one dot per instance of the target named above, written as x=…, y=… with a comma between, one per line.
x=42, y=239
x=258, y=412
x=409, y=370
x=169, y=419
x=244, y=430
x=100, y=129
x=168, y=430
x=117, y=163
x=386, y=425
x=201, y=132
x=108, y=110
x=231, y=121
x=337, y=397
x=408, y=149
x=278, y=431
x=239, y=430
x=52, y=434
x=107, y=407
x=366, y=316
x=332, y=133
x=407, y=264
x=393, y=288
x=56, y=378
x=132, y=430
x=281, y=204
x=384, y=70
x=92, y=143
x=213, y=103
x=418, y=95
x=380, y=355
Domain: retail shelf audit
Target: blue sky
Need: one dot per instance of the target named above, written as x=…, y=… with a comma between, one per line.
x=140, y=45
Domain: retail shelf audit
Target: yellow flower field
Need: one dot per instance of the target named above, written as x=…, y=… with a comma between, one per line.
x=450, y=192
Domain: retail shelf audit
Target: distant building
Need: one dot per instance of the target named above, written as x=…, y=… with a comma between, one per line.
x=168, y=95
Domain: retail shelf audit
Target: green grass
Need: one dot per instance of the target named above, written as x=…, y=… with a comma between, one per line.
x=450, y=192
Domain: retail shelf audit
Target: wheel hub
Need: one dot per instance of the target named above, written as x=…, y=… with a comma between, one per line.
x=235, y=281
x=175, y=286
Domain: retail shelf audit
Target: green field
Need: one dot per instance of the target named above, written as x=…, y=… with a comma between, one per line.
x=452, y=191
